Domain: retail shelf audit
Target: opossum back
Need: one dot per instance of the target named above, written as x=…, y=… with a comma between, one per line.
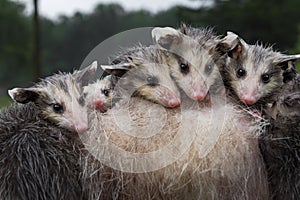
x=38, y=159
x=177, y=153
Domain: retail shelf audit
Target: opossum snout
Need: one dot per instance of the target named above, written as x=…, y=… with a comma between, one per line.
x=78, y=122
x=249, y=96
x=99, y=105
x=198, y=95
x=249, y=100
x=169, y=99
x=198, y=92
x=173, y=102
x=80, y=127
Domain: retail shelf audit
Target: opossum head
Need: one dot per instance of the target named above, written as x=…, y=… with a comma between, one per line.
x=254, y=72
x=143, y=73
x=192, y=59
x=99, y=95
x=59, y=98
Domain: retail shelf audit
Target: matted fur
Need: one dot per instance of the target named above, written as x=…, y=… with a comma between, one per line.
x=280, y=144
x=39, y=160
x=231, y=169
x=194, y=48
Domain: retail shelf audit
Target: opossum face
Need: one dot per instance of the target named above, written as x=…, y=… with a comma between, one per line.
x=59, y=98
x=99, y=95
x=147, y=78
x=192, y=64
x=254, y=72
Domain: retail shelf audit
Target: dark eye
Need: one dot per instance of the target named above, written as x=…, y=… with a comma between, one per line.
x=58, y=108
x=208, y=69
x=240, y=73
x=265, y=78
x=152, y=81
x=105, y=92
x=184, y=68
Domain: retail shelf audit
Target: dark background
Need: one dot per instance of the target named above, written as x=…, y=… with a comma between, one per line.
x=64, y=43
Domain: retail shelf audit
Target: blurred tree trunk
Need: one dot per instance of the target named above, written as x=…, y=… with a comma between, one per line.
x=36, y=40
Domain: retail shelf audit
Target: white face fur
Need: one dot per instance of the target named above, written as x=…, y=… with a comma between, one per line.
x=191, y=64
x=99, y=95
x=144, y=73
x=59, y=98
x=255, y=73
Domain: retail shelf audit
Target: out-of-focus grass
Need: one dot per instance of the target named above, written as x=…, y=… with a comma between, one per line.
x=298, y=67
x=4, y=101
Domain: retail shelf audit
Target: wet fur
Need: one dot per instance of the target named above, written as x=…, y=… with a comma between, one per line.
x=233, y=169
x=280, y=144
x=256, y=60
x=39, y=160
x=196, y=48
x=145, y=62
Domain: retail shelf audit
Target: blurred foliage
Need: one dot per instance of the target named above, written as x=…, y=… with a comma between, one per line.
x=66, y=41
x=4, y=101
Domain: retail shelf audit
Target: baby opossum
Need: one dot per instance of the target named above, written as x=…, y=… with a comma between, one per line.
x=143, y=73
x=39, y=150
x=260, y=77
x=193, y=58
x=280, y=144
x=212, y=163
x=99, y=95
x=253, y=73
x=59, y=98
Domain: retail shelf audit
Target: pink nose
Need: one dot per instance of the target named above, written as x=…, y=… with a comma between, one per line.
x=97, y=102
x=173, y=103
x=198, y=95
x=249, y=100
x=81, y=127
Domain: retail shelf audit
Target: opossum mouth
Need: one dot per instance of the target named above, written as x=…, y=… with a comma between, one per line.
x=101, y=108
x=170, y=103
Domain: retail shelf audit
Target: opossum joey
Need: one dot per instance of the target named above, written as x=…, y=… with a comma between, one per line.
x=192, y=58
x=144, y=73
x=59, y=98
x=99, y=95
x=253, y=73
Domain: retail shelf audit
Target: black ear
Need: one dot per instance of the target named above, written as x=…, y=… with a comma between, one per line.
x=24, y=95
x=286, y=62
x=232, y=44
x=85, y=75
x=166, y=37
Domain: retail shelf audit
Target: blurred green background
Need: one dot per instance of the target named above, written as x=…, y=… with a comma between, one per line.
x=65, y=42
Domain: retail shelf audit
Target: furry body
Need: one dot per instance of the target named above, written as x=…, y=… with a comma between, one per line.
x=280, y=145
x=39, y=160
x=216, y=165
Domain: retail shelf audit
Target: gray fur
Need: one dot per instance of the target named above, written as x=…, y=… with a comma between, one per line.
x=279, y=103
x=193, y=59
x=39, y=160
x=256, y=60
x=143, y=71
x=280, y=144
x=40, y=149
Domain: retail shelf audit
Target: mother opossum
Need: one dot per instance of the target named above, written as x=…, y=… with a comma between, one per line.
x=181, y=153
